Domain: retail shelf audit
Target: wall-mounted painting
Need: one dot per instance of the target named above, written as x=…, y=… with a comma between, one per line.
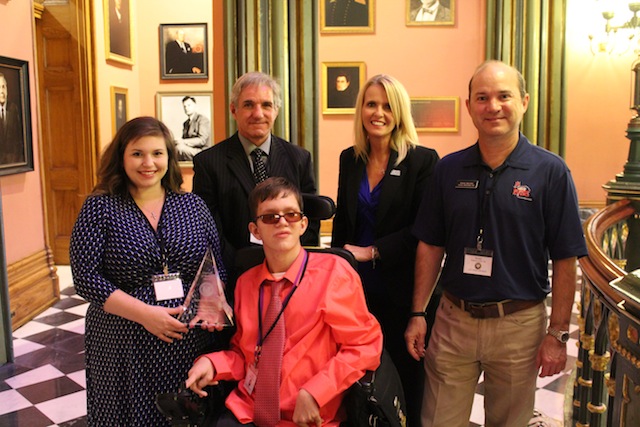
x=340, y=85
x=117, y=25
x=430, y=12
x=438, y=114
x=16, y=149
x=183, y=51
x=346, y=16
x=119, y=108
x=188, y=115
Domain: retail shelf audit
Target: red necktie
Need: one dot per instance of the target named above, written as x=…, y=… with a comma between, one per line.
x=267, y=392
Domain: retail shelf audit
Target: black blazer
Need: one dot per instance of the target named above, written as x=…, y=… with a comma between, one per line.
x=223, y=178
x=402, y=191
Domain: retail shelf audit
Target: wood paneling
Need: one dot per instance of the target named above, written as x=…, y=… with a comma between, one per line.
x=33, y=287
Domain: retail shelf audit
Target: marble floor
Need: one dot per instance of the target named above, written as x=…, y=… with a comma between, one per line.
x=45, y=385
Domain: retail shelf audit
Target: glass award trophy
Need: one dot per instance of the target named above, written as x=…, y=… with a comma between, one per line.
x=206, y=304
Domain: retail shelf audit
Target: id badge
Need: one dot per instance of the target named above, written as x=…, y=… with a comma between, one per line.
x=250, y=378
x=167, y=286
x=477, y=262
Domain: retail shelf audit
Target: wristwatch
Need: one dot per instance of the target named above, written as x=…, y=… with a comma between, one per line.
x=562, y=336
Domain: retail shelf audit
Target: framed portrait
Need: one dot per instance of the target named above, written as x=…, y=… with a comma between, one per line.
x=438, y=114
x=430, y=12
x=188, y=115
x=347, y=16
x=117, y=29
x=16, y=149
x=340, y=85
x=119, y=108
x=183, y=51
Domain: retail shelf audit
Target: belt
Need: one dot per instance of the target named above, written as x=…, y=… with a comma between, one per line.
x=486, y=310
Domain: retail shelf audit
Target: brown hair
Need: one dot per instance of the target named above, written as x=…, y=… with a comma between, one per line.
x=112, y=178
x=272, y=188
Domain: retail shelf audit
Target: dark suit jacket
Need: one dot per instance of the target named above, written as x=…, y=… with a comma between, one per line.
x=401, y=195
x=223, y=179
x=11, y=138
x=177, y=61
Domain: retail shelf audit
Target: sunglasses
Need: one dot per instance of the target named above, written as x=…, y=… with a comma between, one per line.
x=275, y=218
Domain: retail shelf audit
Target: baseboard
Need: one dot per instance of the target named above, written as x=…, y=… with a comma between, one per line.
x=33, y=287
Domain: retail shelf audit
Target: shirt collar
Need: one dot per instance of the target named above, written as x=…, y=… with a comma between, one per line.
x=518, y=158
x=250, y=146
x=291, y=274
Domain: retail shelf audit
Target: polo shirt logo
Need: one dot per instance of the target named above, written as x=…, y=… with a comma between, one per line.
x=521, y=191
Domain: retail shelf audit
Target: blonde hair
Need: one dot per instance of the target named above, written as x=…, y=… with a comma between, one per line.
x=404, y=136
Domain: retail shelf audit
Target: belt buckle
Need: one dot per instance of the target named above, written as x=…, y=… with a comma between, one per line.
x=477, y=309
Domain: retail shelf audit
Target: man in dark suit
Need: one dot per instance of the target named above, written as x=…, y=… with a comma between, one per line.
x=224, y=173
x=119, y=30
x=11, y=141
x=343, y=94
x=180, y=58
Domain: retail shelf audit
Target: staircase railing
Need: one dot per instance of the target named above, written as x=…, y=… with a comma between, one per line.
x=607, y=386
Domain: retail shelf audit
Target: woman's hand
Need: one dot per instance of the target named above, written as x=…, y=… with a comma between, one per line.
x=161, y=322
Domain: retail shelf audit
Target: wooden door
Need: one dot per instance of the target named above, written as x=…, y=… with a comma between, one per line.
x=67, y=116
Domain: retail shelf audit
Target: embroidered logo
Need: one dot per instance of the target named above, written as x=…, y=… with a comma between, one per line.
x=521, y=191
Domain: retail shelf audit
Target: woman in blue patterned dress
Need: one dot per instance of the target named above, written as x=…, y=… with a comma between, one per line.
x=137, y=223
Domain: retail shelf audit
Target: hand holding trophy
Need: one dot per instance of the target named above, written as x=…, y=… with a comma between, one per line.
x=206, y=305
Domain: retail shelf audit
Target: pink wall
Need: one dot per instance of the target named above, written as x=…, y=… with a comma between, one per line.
x=599, y=93
x=142, y=79
x=428, y=60
x=23, y=218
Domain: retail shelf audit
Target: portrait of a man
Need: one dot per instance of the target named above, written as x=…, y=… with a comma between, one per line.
x=344, y=90
x=119, y=28
x=346, y=16
x=11, y=136
x=188, y=116
x=183, y=50
x=429, y=12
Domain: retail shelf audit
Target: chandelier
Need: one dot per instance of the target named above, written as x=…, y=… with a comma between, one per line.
x=621, y=27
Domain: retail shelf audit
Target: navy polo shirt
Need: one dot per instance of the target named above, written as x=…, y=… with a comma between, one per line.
x=527, y=208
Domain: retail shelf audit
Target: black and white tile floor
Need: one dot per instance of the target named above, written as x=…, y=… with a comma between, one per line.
x=45, y=386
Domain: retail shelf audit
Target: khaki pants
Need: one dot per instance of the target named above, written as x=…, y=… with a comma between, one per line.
x=462, y=347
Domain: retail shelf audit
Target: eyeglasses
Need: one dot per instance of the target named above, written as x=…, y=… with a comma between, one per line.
x=275, y=218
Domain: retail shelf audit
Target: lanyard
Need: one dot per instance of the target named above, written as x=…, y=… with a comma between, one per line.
x=299, y=277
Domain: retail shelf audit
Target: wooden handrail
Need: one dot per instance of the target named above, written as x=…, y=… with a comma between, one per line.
x=598, y=266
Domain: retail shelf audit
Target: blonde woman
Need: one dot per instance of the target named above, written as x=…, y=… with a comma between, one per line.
x=382, y=178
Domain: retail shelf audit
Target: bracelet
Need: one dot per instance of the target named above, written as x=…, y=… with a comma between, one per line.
x=418, y=314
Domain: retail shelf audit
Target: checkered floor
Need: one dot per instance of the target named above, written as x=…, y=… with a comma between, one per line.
x=45, y=386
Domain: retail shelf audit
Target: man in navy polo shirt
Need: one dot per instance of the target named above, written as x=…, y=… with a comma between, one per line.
x=499, y=210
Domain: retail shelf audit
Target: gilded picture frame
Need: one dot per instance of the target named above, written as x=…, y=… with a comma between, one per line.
x=119, y=108
x=347, y=16
x=341, y=82
x=428, y=13
x=118, y=31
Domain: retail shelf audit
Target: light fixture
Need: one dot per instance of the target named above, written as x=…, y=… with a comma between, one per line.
x=621, y=27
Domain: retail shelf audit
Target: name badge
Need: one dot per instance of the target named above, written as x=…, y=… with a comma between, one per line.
x=467, y=184
x=250, y=378
x=477, y=262
x=167, y=286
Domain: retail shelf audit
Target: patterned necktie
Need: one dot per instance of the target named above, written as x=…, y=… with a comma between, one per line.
x=259, y=167
x=267, y=392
